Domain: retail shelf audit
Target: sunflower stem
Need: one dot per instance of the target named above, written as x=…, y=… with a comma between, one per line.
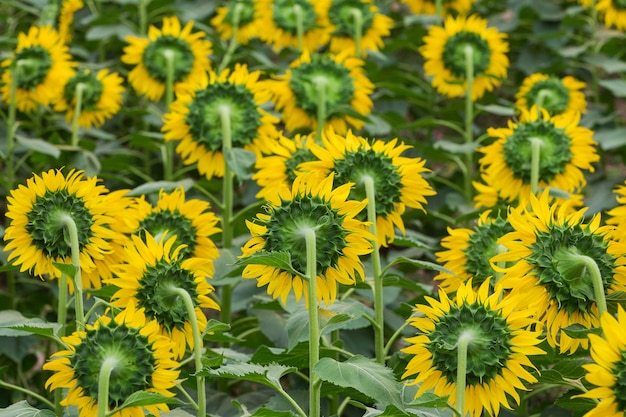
x=70, y=225
x=167, y=149
x=321, y=82
x=469, y=120
x=461, y=371
x=238, y=8
x=357, y=15
x=104, y=378
x=297, y=11
x=142, y=7
x=541, y=98
x=535, y=163
x=591, y=268
x=498, y=274
x=28, y=393
x=315, y=384
x=439, y=9
x=197, y=348
x=78, y=105
x=379, y=328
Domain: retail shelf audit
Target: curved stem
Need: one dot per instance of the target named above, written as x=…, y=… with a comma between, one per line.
x=535, y=163
x=70, y=226
x=238, y=8
x=315, y=384
x=104, y=377
x=321, y=82
x=541, y=99
x=28, y=392
x=394, y=337
x=78, y=106
x=357, y=15
x=291, y=401
x=469, y=119
x=596, y=279
x=461, y=371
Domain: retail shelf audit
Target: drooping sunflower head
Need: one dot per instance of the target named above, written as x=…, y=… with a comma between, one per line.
x=566, y=150
x=468, y=252
x=66, y=18
x=151, y=271
x=340, y=239
x=462, y=43
x=198, y=118
x=40, y=66
x=500, y=341
x=171, y=48
x=336, y=81
x=556, y=95
x=40, y=212
x=548, y=254
x=449, y=7
x=397, y=180
x=613, y=13
x=349, y=16
x=240, y=14
x=279, y=20
x=100, y=94
x=142, y=360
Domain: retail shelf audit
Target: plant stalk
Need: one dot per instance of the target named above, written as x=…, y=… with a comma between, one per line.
x=78, y=107
x=315, y=384
x=469, y=121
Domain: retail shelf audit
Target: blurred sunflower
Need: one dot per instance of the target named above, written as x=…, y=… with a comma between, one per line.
x=101, y=97
x=41, y=64
x=247, y=24
x=468, y=252
x=428, y=7
x=346, y=87
x=613, y=12
x=556, y=95
x=398, y=180
x=66, y=18
x=340, y=239
x=543, y=269
x=281, y=166
x=191, y=221
x=279, y=22
x=617, y=215
x=143, y=361
x=567, y=150
x=374, y=26
x=606, y=373
x=444, y=52
x=150, y=270
x=190, y=52
x=497, y=355
x=194, y=118
x=36, y=234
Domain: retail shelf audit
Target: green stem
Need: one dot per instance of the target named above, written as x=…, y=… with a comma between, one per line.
x=461, y=371
x=28, y=392
x=591, y=267
x=439, y=9
x=167, y=149
x=70, y=225
x=501, y=264
x=291, y=401
x=315, y=384
x=62, y=309
x=78, y=95
x=321, y=82
x=297, y=11
x=197, y=348
x=238, y=8
x=535, y=163
x=469, y=120
x=357, y=15
x=541, y=98
x=104, y=377
x=394, y=337
x=142, y=7
x=379, y=328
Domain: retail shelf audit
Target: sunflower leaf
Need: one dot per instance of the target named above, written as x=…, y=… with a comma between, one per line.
x=417, y=263
x=156, y=186
x=13, y=323
x=67, y=269
x=266, y=412
x=23, y=409
x=241, y=162
x=277, y=259
x=143, y=398
x=263, y=374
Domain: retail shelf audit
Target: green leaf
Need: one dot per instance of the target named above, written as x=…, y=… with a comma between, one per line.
x=455, y=148
x=372, y=379
x=241, y=162
x=298, y=328
x=497, y=109
x=143, y=398
x=578, y=331
x=177, y=412
x=610, y=139
x=23, y=409
x=607, y=63
x=550, y=376
x=389, y=411
x=216, y=326
x=571, y=368
x=38, y=145
x=263, y=374
x=280, y=260
x=410, y=242
x=266, y=412
x=13, y=323
x=417, y=263
x=429, y=400
x=579, y=405
x=617, y=87
x=156, y=186
x=67, y=269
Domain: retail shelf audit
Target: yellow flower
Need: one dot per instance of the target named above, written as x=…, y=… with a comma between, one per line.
x=340, y=239
x=143, y=362
x=613, y=12
x=194, y=119
x=66, y=18
x=497, y=356
x=190, y=56
x=247, y=25
x=557, y=95
x=617, y=215
x=428, y=7
x=444, y=52
x=40, y=64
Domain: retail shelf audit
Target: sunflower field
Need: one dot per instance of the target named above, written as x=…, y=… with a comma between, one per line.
x=307, y=208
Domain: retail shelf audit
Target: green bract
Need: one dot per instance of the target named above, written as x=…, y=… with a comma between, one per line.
x=35, y=63
x=156, y=63
x=341, y=14
x=174, y=223
x=454, y=53
x=284, y=15
x=92, y=91
x=482, y=245
x=555, y=95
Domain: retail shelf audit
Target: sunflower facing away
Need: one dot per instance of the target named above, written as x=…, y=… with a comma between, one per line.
x=190, y=55
x=497, y=356
x=194, y=119
x=428, y=7
x=41, y=63
x=143, y=362
x=613, y=12
x=66, y=18
x=347, y=87
x=151, y=269
x=398, y=180
x=557, y=95
x=340, y=239
x=224, y=21
x=279, y=22
x=566, y=151
x=468, y=252
x=444, y=52
x=101, y=97
x=543, y=268
x=36, y=236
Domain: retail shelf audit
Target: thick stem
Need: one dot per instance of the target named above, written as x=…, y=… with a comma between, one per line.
x=461, y=371
x=78, y=107
x=104, y=378
x=70, y=226
x=535, y=163
x=315, y=384
x=142, y=7
x=379, y=328
x=321, y=82
x=10, y=175
x=469, y=120
x=167, y=149
x=297, y=11
x=591, y=267
x=238, y=8
x=357, y=15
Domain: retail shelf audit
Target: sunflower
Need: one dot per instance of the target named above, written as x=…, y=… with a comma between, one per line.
x=468, y=252
x=36, y=236
x=606, y=373
x=143, y=362
x=41, y=64
x=557, y=95
x=542, y=252
x=194, y=119
x=617, y=215
x=247, y=25
x=374, y=27
x=151, y=268
x=613, y=12
x=279, y=22
x=281, y=166
x=340, y=238
x=444, y=52
x=567, y=150
x=347, y=87
x=428, y=7
x=497, y=356
x=191, y=221
x=398, y=180
x=66, y=18
x=190, y=53
x=101, y=97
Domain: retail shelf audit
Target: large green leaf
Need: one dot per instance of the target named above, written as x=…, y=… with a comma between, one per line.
x=13, y=323
x=263, y=374
x=280, y=260
x=266, y=412
x=144, y=398
x=156, y=186
x=23, y=409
